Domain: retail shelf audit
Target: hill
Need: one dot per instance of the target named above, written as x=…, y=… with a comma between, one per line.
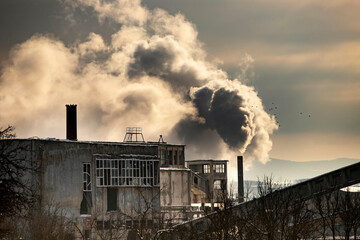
x=285, y=170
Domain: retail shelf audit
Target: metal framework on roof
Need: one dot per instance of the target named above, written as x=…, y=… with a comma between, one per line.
x=134, y=134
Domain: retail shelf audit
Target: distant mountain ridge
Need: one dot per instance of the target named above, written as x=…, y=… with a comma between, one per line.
x=286, y=170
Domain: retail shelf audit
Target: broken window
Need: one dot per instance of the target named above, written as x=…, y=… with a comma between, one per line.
x=127, y=172
x=217, y=184
x=219, y=168
x=86, y=203
x=206, y=168
x=195, y=180
x=86, y=177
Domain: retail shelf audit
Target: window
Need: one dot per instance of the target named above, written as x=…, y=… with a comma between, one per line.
x=127, y=172
x=162, y=156
x=217, y=184
x=206, y=168
x=219, y=168
x=86, y=202
x=86, y=177
x=170, y=157
x=196, y=180
x=181, y=158
x=175, y=157
x=112, y=199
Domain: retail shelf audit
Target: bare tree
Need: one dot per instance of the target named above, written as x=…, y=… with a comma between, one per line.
x=16, y=193
x=328, y=208
x=281, y=215
x=349, y=213
x=7, y=133
x=224, y=223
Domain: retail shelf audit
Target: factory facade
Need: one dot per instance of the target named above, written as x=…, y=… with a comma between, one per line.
x=95, y=181
x=106, y=185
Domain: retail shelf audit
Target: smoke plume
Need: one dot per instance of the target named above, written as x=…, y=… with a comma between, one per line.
x=153, y=73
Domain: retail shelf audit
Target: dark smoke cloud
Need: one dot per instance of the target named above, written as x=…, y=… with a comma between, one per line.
x=229, y=120
x=202, y=102
x=152, y=62
x=201, y=141
x=158, y=60
x=221, y=111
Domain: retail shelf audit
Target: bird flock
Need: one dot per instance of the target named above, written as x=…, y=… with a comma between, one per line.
x=273, y=109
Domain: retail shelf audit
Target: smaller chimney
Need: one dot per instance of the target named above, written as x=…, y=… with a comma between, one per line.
x=240, y=179
x=71, y=122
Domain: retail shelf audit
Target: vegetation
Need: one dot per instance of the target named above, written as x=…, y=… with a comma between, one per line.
x=273, y=216
x=15, y=192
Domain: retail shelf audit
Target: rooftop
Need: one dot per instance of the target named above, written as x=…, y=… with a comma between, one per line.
x=206, y=160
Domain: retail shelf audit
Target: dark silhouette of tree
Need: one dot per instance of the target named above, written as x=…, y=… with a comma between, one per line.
x=224, y=224
x=16, y=194
x=271, y=215
x=7, y=133
x=349, y=214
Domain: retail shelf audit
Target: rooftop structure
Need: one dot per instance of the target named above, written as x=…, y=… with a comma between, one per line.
x=134, y=134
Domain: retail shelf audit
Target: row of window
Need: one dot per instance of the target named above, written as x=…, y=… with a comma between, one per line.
x=171, y=157
x=218, y=168
x=127, y=172
x=120, y=172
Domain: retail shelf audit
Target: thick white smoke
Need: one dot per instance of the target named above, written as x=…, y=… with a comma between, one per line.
x=152, y=74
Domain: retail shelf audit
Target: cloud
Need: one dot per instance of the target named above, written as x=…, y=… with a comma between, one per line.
x=153, y=73
x=127, y=35
x=94, y=44
x=167, y=59
x=122, y=11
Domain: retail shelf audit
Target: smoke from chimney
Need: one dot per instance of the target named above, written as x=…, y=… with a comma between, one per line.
x=152, y=73
x=71, y=122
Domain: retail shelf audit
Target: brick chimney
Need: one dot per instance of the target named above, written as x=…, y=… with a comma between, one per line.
x=71, y=122
x=240, y=179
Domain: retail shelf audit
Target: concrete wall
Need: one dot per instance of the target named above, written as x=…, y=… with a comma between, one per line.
x=60, y=176
x=175, y=187
x=175, y=194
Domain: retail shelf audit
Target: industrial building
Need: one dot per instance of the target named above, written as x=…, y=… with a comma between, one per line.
x=103, y=183
x=201, y=181
x=215, y=171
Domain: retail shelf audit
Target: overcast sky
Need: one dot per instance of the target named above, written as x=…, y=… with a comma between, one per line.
x=302, y=57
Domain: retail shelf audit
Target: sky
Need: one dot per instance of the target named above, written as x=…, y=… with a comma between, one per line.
x=260, y=78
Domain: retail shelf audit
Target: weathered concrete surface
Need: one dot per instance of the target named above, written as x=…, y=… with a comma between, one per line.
x=200, y=191
x=175, y=187
x=60, y=172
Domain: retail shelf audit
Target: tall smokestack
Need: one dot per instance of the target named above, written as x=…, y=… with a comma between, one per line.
x=71, y=125
x=240, y=178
